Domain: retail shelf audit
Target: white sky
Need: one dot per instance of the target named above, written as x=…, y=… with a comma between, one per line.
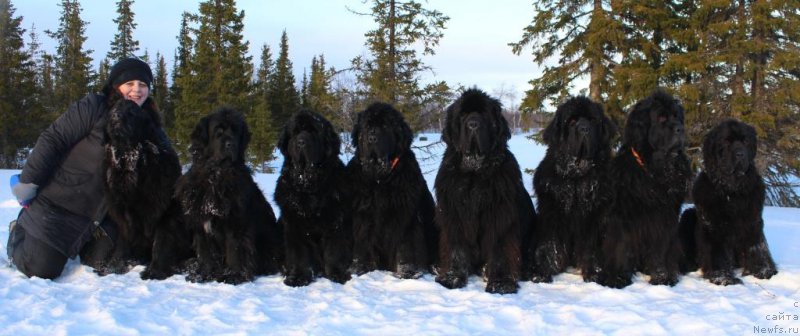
x=474, y=49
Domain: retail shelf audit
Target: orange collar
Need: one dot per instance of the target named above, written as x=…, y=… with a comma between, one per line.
x=395, y=162
x=638, y=158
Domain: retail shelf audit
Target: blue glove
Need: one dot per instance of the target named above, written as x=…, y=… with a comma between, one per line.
x=24, y=192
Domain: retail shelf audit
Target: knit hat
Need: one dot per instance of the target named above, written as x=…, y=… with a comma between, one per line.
x=129, y=69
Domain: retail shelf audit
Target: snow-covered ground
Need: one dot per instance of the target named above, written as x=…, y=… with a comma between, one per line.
x=80, y=302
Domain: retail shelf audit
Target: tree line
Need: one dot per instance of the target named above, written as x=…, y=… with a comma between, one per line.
x=736, y=58
x=723, y=59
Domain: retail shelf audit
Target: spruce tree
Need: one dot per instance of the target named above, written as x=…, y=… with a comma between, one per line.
x=282, y=94
x=73, y=72
x=264, y=134
x=392, y=73
x=102, y=75
x=319, y=94
x=583, y=35
x=219, y=71
x=160, y=92
x=18, y=107
x=123, y=44
x=180, y=69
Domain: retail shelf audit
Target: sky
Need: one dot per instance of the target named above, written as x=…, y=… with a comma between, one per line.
x=473, y=52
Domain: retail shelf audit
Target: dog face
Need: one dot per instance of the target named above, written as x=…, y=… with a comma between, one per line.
x=475, y=128
x=729, y=150
x=128, y=123
x=307, y=142
x=655, y=126
x=221, y=137
x=580, y=133
x=380, y=137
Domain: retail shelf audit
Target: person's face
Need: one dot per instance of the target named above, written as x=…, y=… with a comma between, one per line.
x=135, y=90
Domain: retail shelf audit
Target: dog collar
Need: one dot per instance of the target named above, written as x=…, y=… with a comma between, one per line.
x=638, y=158
x=395, y=161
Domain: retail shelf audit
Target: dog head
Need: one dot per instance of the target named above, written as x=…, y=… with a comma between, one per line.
x=580, y=134
x=729, y=151
x=655, y=127
x=475, y=129
x=128, y=123
x=221, y=137
x=307, y=142
x=381, y=136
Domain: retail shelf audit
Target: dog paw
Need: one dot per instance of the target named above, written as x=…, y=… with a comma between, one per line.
x=541, y=278
x=360, y=268
x=407, y=271
x=722, y=278
x=763, y=273
x=150, y=273
x=664, y=279
x=235, y=278
x=615, y=281
x=452, y=281
x=502, y=286
x=339, y=277
x=294, y=280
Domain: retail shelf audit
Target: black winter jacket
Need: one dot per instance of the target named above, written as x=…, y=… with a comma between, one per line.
x=66, y=164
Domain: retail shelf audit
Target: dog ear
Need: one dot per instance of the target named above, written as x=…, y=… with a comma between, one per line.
x=710, y=144
x=283, y=139
x=244, y=137
x=406, y=136
x=752, y=140
x=608, y=128
x=200, y=137
x=550, y=133
x=356, y=130
x=503, y=131
x=332, y=138
x=450, y=133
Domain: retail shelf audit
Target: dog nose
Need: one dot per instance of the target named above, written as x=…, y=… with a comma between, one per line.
x=739, y=154
x=228, y=144
x=472, y=124
x=371, y=137
x=583, y=129
x=678, y=130
x=301, y=142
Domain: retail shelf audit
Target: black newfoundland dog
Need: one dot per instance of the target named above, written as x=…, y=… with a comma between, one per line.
x=233, y=228
x=568, y=186
x=483, y=209
x=729, y=198
x=141, y=168
x=392, y=208
x=649, y=179
x=312, y=195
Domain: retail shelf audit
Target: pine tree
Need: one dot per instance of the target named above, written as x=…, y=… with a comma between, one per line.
x=584, y=35
x=264, y=135
x=319, y=94
x=73, y=72
x=123, y=44
x=102, y=75
x=180, y=69
x=17, y=89
x=219, y=71
x=282, y=94
x=160, y=92
x=391, y=75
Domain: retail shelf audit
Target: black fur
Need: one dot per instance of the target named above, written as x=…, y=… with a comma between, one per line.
x=141, y=168
x=312, y=195
x=392, y=207
x=568, y=185
x=640, y=228
x=483, y=209
x=234, y=231
x=729, y=199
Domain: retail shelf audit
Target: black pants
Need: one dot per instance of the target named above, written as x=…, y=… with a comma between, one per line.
x=36, y=258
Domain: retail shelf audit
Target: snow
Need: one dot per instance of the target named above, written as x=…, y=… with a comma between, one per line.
x=80, y=302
